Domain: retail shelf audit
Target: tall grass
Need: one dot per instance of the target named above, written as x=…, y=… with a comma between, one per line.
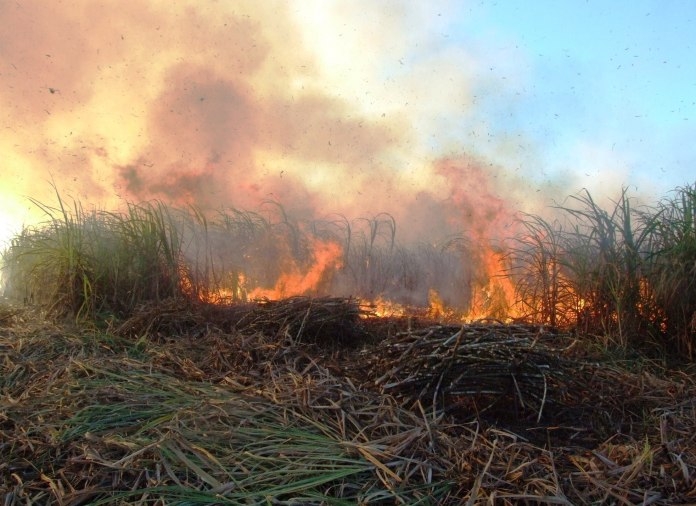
x=543, y=293
x=672, y=266
x=95, y=264
x=605, y=254
x=85, y=263
x=375, y=265
x=626, y=273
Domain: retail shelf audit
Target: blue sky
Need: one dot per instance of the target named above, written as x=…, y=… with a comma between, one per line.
x=573, y=93
x=620, y=76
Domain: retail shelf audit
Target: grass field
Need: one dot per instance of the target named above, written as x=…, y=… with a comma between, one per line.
x=163, y=356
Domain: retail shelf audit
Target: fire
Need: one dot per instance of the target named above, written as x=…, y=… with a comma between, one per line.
x=436, y=307
x=327, y=257
x=232, y=289
x=494, y=293
x=385, y=308
x=493, y=296
x=492, y=289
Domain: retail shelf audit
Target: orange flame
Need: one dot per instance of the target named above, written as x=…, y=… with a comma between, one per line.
x=493, y=291
x=494, y=294
x=385, y=308
x=327, y=256
x=326, y=259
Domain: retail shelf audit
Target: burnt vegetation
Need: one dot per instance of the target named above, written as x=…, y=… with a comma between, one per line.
x=165, y=356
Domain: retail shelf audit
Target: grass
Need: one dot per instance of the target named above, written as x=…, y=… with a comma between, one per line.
x=136, y=368
x=241, y=416
x=84, y=264
x=625, y=273
x=97, y=264
x=97, y=425
x=672, y=269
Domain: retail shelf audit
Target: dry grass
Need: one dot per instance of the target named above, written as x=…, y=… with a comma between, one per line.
x=264, y=404
x=150, y=396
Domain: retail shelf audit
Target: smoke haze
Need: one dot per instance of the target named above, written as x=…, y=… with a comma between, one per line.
x=236, y=103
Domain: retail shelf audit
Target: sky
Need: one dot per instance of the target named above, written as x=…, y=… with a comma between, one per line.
x=447, y=115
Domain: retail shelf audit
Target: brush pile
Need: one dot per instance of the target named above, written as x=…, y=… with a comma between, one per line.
x=313, y=401
x=511, y=364
x=323, y=320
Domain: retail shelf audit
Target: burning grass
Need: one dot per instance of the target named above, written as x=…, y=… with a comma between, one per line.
x=626, y=273
x=140, y=370
x=96, y=264
x=201, y=404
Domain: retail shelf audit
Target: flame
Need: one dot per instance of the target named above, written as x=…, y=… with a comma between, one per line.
x=238, y=102
x=436, y=307
x=385, y=308
x=493, y=297
x=326, y=257
x=494, y=293
x=232, y=289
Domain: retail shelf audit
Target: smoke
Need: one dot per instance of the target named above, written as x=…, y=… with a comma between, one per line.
x=314, y=105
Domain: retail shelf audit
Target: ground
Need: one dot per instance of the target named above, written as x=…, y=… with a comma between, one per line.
x=315, y=401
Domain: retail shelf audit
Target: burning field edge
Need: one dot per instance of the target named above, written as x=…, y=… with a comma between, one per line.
x=320, y=401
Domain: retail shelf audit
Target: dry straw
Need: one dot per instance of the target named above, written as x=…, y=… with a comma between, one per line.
x=176, y=409
x=121, y=383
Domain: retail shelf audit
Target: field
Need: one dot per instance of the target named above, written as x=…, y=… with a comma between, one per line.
x=159, y=356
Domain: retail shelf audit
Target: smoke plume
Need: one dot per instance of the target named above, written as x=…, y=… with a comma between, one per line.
x=232, y=104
